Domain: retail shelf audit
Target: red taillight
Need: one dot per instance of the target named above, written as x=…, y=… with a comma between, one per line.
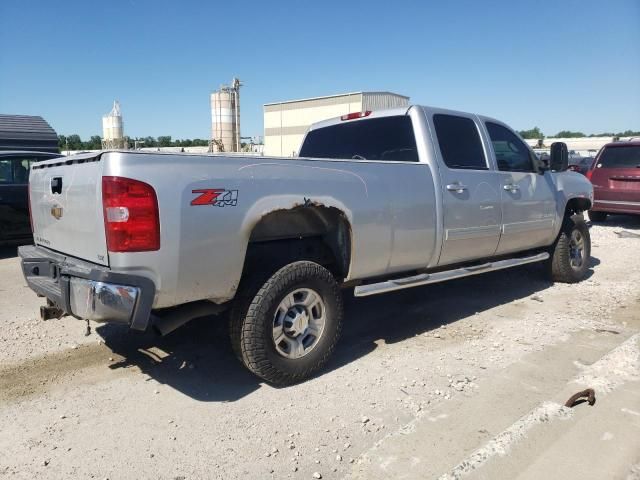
x=589, y=174
x=354, y=115
x=131, y=219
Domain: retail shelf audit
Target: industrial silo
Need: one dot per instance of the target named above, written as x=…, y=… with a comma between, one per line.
x=113, y=128
x=225, y=118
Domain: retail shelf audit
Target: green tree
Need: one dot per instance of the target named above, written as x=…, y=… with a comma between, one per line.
x=569, y=134
x=75, y=142
x=164, y=141
x=95, y=143
x=62, y=142
x=150, y=142
x=629, y=133
x=533, y=133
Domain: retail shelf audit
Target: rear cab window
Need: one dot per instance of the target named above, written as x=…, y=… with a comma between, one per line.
x=386, y=138
x=459, y=142
x=627, y=156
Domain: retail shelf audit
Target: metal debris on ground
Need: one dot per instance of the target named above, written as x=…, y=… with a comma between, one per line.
x=606, y=330
x=589, y=394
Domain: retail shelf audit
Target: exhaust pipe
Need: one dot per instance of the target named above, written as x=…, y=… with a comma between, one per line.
x=167, y=320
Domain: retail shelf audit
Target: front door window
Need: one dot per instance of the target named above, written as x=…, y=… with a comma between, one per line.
x=512, y=154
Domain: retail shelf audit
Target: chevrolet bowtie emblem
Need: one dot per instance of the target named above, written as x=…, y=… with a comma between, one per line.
x=56, y=212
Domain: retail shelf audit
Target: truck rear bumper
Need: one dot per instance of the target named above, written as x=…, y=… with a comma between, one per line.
x=88, y=291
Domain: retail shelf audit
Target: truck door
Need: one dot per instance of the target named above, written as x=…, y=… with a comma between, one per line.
x=14, y=207
x=528, y=198
x=470, y=190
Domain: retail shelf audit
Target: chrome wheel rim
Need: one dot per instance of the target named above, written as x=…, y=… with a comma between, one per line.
x=298, y=323
x=576, y=250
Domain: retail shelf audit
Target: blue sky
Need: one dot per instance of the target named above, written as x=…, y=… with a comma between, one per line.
x=555, y=64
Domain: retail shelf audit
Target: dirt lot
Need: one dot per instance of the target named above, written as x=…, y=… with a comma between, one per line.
x=465, y=379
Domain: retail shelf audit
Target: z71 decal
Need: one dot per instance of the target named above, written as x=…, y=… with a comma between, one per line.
x=218, y=197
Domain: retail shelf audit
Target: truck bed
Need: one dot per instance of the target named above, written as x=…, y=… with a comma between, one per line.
x=390, y=207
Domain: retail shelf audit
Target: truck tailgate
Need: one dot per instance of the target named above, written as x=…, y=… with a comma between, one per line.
x=66, y=207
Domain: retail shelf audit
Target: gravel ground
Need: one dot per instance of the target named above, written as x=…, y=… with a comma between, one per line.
x=117, y=405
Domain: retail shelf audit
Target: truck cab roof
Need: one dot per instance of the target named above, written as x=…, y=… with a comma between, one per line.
x=390, y=112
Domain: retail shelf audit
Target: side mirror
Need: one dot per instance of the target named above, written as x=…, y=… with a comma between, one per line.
x=559, y=157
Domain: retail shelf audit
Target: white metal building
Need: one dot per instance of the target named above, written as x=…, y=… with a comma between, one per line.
x=285, y=123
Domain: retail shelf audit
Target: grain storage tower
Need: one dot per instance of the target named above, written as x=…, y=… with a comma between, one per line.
x=285, y=123
x=113, y=128
x=225, y=118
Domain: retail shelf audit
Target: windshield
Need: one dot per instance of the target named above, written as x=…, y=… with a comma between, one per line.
x=620, y=157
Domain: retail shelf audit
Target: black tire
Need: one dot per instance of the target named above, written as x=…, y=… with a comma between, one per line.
x=252, y=321
x=597, y=216
x=561, y=267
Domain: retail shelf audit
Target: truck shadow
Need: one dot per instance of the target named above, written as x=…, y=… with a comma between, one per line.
x=404, y=314
x=626, y=222
x=8, y=252
x=198, y=361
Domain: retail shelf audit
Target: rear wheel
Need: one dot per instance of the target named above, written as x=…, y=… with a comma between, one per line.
x=597, y=216
x=286, y=329
x=570, y=254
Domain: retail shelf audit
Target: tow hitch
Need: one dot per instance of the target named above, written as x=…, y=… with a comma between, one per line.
x=49, y=311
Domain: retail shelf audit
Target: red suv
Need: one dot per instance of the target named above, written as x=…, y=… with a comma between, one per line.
x=615, y=175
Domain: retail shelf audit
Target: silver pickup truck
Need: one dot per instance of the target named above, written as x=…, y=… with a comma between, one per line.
x=377, y=201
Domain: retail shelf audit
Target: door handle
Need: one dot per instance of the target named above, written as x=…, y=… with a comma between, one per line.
x=511, y=187
x=456, y=187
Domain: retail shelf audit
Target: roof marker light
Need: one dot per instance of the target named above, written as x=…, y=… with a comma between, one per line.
x=354, y=115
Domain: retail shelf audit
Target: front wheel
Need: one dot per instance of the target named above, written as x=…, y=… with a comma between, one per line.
x=288, y=329
x=570, y=254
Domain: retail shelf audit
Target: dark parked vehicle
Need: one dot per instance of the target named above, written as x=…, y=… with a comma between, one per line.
x=615, y=175
x=580, y=164
x=14, y=185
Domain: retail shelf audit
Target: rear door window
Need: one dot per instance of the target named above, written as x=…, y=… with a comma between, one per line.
x=620, y=157
x=6, y=171
x=386, y=138
x=459, y=141
x=21, y=171
x=14, y=171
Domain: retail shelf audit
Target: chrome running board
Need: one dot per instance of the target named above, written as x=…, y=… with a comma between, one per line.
x=427, y=278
